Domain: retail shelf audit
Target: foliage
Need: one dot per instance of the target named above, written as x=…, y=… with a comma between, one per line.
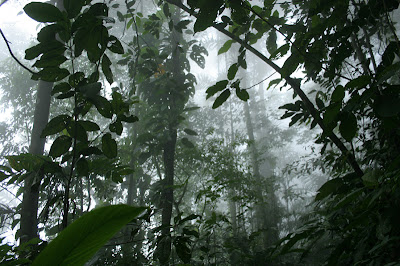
x=80, y=240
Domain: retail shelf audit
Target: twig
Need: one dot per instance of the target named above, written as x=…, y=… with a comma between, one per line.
x=12, y=54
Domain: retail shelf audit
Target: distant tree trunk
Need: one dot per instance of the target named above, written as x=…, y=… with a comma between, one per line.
x=266, y=212
x=175, y=108
x=29, y=210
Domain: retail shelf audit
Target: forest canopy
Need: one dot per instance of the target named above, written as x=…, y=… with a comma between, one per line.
x=156, y=133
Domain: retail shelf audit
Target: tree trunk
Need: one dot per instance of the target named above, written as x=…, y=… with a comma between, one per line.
x=29, y=210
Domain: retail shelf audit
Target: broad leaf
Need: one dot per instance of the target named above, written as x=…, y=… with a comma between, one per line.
x=225, y=48
x=109, y=146
x=221, y=98
x=57, y=124
x=348, y=126
x=219, y=86
x=43, y=12
x=81, y=239
x=60, y=146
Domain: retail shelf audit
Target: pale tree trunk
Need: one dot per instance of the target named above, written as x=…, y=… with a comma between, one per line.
x=29, y=222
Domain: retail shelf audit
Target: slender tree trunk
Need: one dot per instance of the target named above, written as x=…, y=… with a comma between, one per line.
x=175, y=107
x=29, y=210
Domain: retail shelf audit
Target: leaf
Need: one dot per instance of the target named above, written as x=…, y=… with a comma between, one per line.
x=290, y=65
x=387, y=105
x=348, y=126
x=219, y=86
x=115, y=45
x=43, y=12
x=328, y=188
x=53, y=60
x=91, y=90
x=80, y=240
x=182, y=248
x=73, y=7
x=225, y=48
x=338, y=94
x=232, y=71
x=57, y=124
x=221, y=98
x=109, y=146
x=242, y=94
x=370, y=178
x=190, y=132
x=60, y=146
x=89, y=125
x=281, y=51
x=82, y=166
x=116, y=127
x=102, y=105
x=51, y=74
x=187, y=143
x=105, y=66
x=331, y=113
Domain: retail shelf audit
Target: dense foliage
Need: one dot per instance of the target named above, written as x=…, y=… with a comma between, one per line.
x=216, y=182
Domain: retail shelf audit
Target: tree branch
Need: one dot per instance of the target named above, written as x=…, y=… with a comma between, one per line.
x=12, y=54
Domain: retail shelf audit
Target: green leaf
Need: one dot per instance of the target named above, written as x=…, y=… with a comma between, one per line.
x=82, y=166
x=219, y=86
x=331, y=113
x=89, y=125
x=102, y=105
x=190, y=132
x=387, y=105
x=370, y=178
x=116, y=127
x=77, y=131
x=43, y=12
x=50, y=61
x=242, y=94
x=348, y=126
x=105, y=66
x=338, y=94
x=73, y=7
x=61, y=88
x=115, y=46
x=290, y=65
x=81, y=239
x=281, y=51
x=225, y=48
x=328, y=188
x=109, y=146
x=76, y=78
x=57, y=124
x=60, y=146
x=221, y=98
x=52, y=74
x=232, y=71
x=182, y=248
x=187, y=143
x=91, y=90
